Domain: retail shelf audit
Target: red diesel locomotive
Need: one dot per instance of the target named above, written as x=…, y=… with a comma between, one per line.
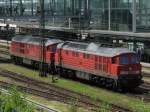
x=28, y=50
x=113, y=67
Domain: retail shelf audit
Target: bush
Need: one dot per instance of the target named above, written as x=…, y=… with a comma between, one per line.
x=14, y=102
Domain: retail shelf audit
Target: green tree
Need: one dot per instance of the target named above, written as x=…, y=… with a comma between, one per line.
x=14, y=102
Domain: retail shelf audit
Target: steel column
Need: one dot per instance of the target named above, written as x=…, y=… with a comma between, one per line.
x=32, y=8
x=73, y=7
x=134, y=16
x=42, y=12
x=21, y=8
x=10, y=9
x=65, y=7
x=109, y=15
x=42, y=26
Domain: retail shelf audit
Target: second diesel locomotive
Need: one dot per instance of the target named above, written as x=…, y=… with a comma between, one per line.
x=112, y=67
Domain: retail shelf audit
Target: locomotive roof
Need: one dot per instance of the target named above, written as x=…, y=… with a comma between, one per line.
x=94, y=49
x=34, y=40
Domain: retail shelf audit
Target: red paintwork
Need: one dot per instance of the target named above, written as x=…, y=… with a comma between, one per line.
x=93, y=64
x=32, y=52
x=98, y=65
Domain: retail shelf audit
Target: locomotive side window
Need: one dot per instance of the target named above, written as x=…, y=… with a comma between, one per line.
x=124, y=59
x=113, y=60
x=53, y=49
x=134, y=59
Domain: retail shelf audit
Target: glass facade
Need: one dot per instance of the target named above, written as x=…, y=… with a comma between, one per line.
x=116, y=15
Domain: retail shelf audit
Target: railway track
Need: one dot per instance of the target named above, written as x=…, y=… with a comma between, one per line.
x=143, y=92
x=146, y=86
x=4, y=50
x=4, y=46
x=52, y=92
x=146, y=74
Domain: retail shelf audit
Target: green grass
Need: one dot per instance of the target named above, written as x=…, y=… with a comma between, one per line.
x=95, y=92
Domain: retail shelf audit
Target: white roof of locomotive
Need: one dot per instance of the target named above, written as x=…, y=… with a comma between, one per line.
x=29, y=39
x=92, y=48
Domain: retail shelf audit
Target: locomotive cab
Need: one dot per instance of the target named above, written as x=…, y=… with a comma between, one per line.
x=128, y=69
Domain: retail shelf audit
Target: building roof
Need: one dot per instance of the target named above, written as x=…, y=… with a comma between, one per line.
x=29, y=39
x=92, y=48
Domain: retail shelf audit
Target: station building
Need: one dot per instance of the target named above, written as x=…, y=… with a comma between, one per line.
x=115, y=15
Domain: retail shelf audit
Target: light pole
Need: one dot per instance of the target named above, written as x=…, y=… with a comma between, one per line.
x=42, y=27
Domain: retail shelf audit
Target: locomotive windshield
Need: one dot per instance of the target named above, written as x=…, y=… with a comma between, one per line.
x=124, y=59
x=134, y=59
